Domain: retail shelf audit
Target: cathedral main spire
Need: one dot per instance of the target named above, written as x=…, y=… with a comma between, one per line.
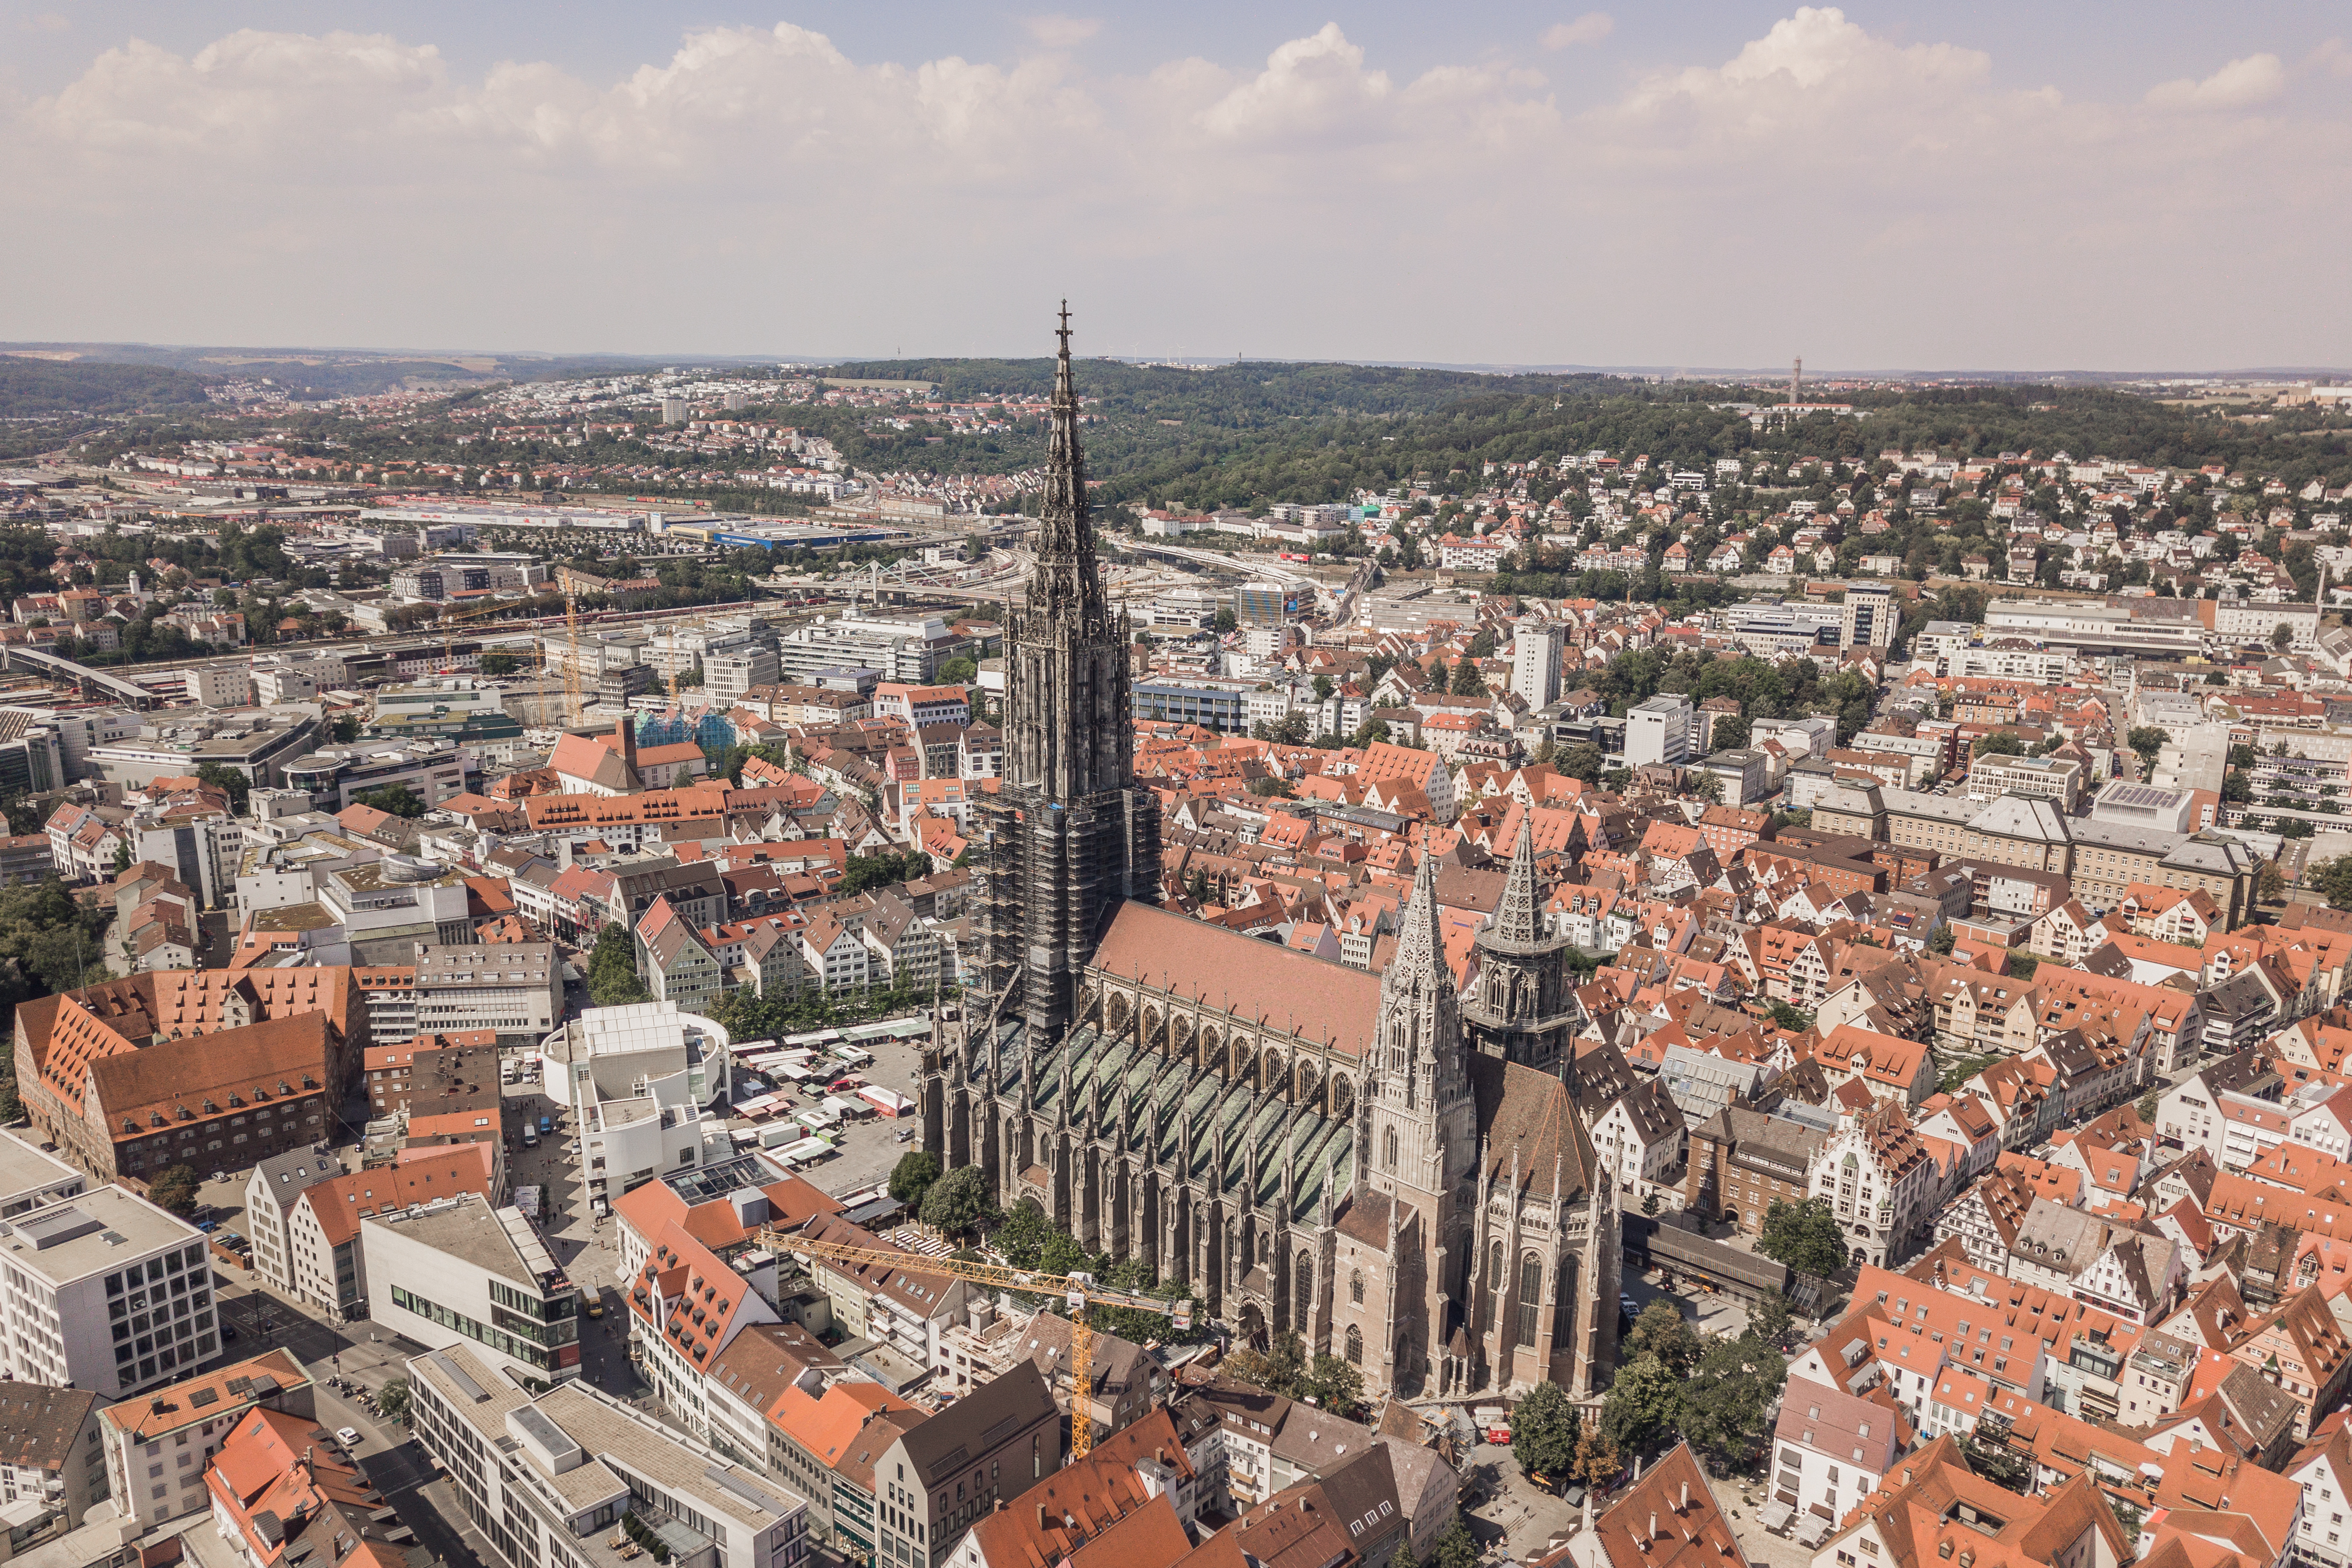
x=1068, y=579
x=1067, y=836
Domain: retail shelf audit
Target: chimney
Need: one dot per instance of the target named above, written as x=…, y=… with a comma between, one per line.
x=1041, y=1516
x=1653, y=1526
x=624, y=729
x=1685, y=1507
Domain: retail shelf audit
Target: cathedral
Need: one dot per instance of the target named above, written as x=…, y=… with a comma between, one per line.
x=1401, y=1175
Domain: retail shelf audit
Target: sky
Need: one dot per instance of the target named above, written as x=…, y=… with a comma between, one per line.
x=2001, y=186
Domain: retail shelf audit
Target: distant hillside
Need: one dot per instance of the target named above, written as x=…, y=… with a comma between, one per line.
x=30, y=389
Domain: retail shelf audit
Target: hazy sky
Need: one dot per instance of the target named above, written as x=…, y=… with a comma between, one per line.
x=1997, y=185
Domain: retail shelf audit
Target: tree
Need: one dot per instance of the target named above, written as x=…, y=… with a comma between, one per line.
x=1022, y=1237
x=1660, y=1331
x=2146, y=1107
x=1708, y=787
x=347, y=729
x=121, y=856
x=1789, y=1017
x=1769, y=1319
x=1271, y=788
x=1942, y=940
x=2148, y=739
x=913, y=1176
x=228, y=781
x=391, y=1401
x=1226, y=621
x=613, y=979
x=1583, y=761
x=1729, y=732
x=1467, y=681
x=498, y=663
x=2000, y=744
x=1335, y=1385
x=2282, y=637
x=2333, y=879
x=2269, y=882
x=1457, y=1547
x=392, y=799
x=2022, y=964
x=1731, y=1395
x=1804, y=1236
x=174, y=1190
x=1544, y=1431
x=1597, y=1459
x=1643, y=1406
x=958, y=1201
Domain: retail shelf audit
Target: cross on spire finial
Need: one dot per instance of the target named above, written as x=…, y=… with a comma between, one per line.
x=1063, y=331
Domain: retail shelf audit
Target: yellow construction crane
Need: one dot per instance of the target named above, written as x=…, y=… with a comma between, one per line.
x=572, y=657
x=1080, y=1293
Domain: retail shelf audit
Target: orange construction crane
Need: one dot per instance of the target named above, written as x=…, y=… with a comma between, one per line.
x=1079, y=1292
x=572, y=658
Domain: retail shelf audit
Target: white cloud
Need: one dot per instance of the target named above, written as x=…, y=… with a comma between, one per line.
x=1589, y=28
x=1056, y=32
x=1878, y=202
x=2257, y=78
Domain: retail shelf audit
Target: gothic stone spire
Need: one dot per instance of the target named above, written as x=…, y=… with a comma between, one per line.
x=1067, y=581
x=1517, y=922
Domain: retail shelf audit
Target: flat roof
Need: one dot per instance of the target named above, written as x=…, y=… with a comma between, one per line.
x=24, y=1168
x=90, y=1233
x=470, y=1230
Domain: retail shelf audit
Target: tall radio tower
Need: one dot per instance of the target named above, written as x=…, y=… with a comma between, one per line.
x=1796, y=375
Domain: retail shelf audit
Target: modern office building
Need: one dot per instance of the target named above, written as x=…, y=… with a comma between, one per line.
x=460, y=1271
x=515, y=990
x=106, y=1292
x=327, y=1264
x=1871, y=617
x=1658, y=731
x=432, y=768
x=558, y=1479
x=1265, y=603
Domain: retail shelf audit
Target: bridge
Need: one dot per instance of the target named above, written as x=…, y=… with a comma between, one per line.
x=13, y=656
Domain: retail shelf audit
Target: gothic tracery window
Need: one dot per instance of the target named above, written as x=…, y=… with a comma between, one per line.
x=1356, y=1288
x=1530, y=1296
x=1305, y=1287
x=1391, y=1151
x=1355, y=1345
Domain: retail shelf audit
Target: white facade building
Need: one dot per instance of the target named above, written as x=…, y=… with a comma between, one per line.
x=458, y=1272
x=549, y=1479
x=638, y=1080
x=1535, y=660
x=1658, y=731
x=106, y=1292
x=512, y=988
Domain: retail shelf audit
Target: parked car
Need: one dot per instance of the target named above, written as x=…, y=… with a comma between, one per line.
x=596, y=1306
x=349, y=1437
x=228, y=1330
x=546, y=1125
x=530, y=1139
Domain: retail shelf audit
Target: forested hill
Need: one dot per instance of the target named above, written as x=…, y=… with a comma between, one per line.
x=32, y=389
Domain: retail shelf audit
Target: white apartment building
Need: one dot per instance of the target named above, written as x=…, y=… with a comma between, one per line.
x=106, y=1292
x=549, y=1480
x=1658, y=731
x=637, y=1079
x=1811, y=736
x=1830, y=1448
x=157, y=1448
x=270, y=1195
x=296, y=677
x=727, y=674
x=1535, y=660
x=221, y=685
x=458, y=1272
x=514, y=988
